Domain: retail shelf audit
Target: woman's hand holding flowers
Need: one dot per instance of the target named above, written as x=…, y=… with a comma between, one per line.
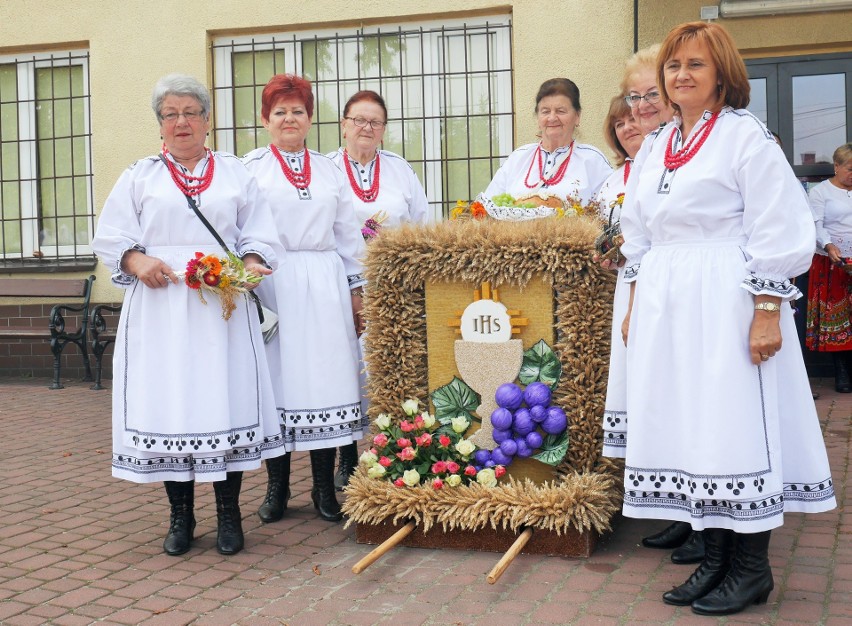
x=153, y=272
x=254, y=265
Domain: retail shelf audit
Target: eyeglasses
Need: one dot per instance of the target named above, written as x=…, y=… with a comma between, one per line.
x=189, y=116
x=652, y=97
x=360, y=122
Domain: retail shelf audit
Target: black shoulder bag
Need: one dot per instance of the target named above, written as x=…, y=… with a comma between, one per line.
x=269, y=326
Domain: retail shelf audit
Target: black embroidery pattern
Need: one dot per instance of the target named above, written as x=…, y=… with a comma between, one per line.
x=181, y=464
x=631, y=271
x=736, y=497
x=311, y=425
x=783, y=289
x=615, y=429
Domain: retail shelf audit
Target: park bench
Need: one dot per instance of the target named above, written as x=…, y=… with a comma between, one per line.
x=56, y=288
x=102, y=337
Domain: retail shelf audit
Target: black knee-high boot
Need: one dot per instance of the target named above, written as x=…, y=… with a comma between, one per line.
x=711, y=572
x=277, y=489
x=182, y=520
x=347, y=464
x=229, y=537
x=749, y=580
x=690, y=552
x=842, y=382
x=322, y=468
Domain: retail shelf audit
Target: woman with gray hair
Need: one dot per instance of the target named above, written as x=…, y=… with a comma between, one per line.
x=192, y=397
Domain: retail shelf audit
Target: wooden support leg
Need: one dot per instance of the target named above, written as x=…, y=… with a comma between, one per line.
x=513, y=551
x=383, y=547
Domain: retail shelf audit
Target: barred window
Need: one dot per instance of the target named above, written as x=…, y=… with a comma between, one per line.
x=448, y=88
x=46, y=202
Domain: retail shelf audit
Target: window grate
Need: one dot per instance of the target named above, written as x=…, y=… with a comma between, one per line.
x=46, y=199
x=448, y=88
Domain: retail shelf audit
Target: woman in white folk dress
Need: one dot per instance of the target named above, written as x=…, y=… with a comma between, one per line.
x=723, y=430
x=192, y=398
x=314, y=360
x=639, y=84
x=557, y=164
x=385, y=188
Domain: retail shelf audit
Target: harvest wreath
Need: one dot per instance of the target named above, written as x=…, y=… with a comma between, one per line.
x=586, y=491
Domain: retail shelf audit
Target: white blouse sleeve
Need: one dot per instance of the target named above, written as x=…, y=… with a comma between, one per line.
x=347, y=234
x=636, y=239
x=777, y=222
x=498, y=184
x=256, y=223
x=418, y=210
x=119, y=229
x=816, y=199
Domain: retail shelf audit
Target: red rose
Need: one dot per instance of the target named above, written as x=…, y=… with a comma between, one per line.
x=470, y=470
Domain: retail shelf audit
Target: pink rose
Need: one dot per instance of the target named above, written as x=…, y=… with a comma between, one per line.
x=385, y=461
x=418, y=422
x=444, y=441
x=453, y=467
x=439, y=467
x=402, y=442
x=406, y=426
x=381, y=440
x=398, y=482
x=407, y=454
x=424, y=440
x=437, y=484
x=374, y=451
x=470, y=470
x=499, y=471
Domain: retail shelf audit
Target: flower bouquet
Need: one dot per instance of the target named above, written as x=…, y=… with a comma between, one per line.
x=225, y=277
x=416, y=449
x=373, y=225
x=468, y=210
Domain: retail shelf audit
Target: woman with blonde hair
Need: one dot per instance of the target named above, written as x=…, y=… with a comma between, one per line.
x=723, y=430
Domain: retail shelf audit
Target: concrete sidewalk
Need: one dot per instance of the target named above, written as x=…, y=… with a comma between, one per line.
x=79, y=547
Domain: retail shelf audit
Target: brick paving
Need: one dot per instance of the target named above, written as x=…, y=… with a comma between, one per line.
x=80, y=547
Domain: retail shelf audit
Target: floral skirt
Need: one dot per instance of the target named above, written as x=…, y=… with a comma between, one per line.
x=829, y=327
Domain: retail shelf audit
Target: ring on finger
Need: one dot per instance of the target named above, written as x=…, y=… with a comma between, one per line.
x=764, y=357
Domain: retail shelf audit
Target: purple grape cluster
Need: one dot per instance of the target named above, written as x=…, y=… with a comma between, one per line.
x=519, y=421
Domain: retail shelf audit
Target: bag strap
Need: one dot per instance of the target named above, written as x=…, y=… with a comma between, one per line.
x=192, y=205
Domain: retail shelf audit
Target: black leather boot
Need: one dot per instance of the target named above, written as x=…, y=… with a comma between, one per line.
x=182, y=520
x=347, y=464
x=277, y=489
x=749, y=580
x=670, y=537
x=717, y=558
x=322, y=468
x=690, y=552
x=842, y=382
x=229, y=536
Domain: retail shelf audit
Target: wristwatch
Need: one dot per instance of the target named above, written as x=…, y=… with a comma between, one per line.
x=767, y=306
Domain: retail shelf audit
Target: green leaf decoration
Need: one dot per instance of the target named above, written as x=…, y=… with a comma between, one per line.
x=540, y=364
x=553, y=449
x=454, y=399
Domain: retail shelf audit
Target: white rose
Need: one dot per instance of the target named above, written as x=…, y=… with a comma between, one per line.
x=460, y=424
x=486, y=477
x=466, y=447
x=368, y=458
x=428, y=420
x=383, y=421
x=410, y=407
x=453, y=480
x=411, y=477
x=376, y=471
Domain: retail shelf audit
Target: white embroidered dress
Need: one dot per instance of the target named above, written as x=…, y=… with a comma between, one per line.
x=315, y=359
x=832, y=210
x=192, y=398
x=586, y=172
x=713, y=439
x=615, y=410
x=401, y=197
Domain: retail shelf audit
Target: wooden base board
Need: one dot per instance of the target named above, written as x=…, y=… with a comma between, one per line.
x=571, y=543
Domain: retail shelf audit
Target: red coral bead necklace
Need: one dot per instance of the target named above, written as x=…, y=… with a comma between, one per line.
x=673, y=160
x=188, y=184
x=553, y=180
x=300, y=180
x=365, y=195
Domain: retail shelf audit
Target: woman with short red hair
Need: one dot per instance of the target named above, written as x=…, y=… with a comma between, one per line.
x=314, y=360
x=723, y=431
